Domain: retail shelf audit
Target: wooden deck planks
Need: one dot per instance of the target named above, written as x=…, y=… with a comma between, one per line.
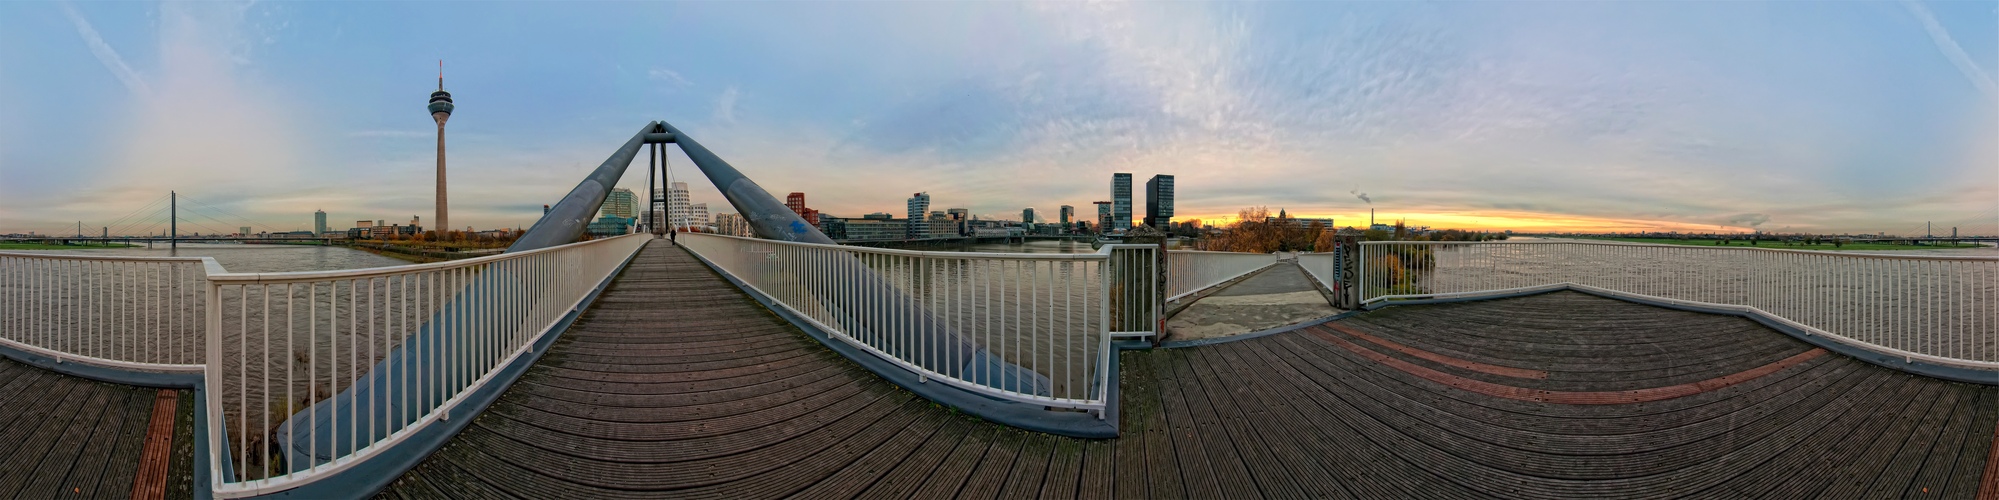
x=156, y=456
x=68, y=437
x=640, y=401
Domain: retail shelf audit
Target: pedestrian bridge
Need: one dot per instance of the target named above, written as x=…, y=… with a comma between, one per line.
x=700, y=365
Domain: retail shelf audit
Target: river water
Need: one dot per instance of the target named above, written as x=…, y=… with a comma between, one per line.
x=239, y=258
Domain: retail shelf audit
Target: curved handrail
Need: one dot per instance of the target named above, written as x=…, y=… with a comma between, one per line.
x=305, y=276
x=878, y=299
x=1100, y=254
x=1834, y=253
x=129, y=314
x=377, y=355
x=1939, y=309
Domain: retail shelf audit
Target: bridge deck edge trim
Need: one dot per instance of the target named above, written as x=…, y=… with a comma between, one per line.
x=102, y=373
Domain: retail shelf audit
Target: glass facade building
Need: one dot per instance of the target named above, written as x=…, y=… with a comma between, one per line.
x=1159, y=201
x=1120, y=202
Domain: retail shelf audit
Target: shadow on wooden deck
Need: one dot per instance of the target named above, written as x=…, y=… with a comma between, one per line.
x=678, y=386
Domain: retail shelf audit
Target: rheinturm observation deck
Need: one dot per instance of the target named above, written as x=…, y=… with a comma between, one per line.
x=440, y=110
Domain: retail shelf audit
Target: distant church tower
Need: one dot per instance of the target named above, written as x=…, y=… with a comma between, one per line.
x=440, y=110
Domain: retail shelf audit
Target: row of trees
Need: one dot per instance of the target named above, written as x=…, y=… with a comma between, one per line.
x=453, y=239
x=1255, y=230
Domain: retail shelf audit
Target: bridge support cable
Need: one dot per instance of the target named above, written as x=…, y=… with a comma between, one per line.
x=128, y=216
x=239, y=218
x=157, y=218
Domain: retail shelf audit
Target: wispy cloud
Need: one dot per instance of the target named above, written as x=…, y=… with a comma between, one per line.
x=105, y=54
x=669, y=76
x=725, y=106
x=393, y=134
x=1951, y=50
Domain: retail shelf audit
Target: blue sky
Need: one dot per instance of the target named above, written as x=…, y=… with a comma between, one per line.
x=1799, y=116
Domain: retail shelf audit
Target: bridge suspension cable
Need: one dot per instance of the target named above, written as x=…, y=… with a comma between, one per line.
x=121, y=220
x=239, y=218
x=157, y=217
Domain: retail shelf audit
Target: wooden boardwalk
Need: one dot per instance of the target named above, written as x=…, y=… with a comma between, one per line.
x=676, y=385
x=69, y=437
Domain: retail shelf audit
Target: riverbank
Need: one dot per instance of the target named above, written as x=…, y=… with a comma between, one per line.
x=1780, y=245
x=46, y=246
x=421, y=255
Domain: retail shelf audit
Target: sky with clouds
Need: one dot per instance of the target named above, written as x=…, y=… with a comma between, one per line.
x=1794, y=116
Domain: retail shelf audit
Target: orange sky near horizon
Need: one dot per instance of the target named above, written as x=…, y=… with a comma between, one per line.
x=1526, y=222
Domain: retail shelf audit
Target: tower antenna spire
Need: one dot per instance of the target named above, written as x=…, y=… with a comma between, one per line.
x=440, y=75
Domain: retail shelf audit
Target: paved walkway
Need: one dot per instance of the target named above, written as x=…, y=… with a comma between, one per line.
x=69, y=437
x=675, y=385
x=1278, y=296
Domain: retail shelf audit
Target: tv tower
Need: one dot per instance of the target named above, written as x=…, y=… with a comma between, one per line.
x=440, y=110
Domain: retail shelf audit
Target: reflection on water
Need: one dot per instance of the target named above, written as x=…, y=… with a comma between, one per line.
x=1037, y=246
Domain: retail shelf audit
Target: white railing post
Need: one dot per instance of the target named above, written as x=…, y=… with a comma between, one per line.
x=211, y=374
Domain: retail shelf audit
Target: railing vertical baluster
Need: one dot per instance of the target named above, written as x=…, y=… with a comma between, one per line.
x=211, y=374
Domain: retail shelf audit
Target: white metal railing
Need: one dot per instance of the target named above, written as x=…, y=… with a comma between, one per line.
x=1026, y=327
x=1189, y=271
x=1325, y=268
x=326, y=369
x=141, y=313
x=1941, y=309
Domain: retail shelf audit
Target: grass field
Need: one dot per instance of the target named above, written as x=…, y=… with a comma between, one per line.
x=45, y=246
x=1775, y=244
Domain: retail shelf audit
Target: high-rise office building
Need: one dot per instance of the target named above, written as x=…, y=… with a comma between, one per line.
x=1159, y=201
x=961, y=221
x=697, y=215
x=245, y=230
x=1104, y=217
x=318, y=222
x=919, y=204
x=732, y=225
x=1068, y=215
x=1120, y=202
x=655, y=216
x=677, y=205
x=795, y=202
x=1027, y=216
x=620, y=203
x=440, y=110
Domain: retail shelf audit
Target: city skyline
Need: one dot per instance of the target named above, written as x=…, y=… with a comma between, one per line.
x=1736, y=116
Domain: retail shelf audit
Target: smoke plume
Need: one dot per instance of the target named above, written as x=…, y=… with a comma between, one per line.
x=1751, y=220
